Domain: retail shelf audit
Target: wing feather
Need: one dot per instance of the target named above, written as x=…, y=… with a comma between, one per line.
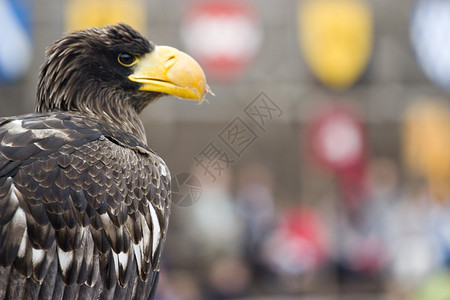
x=11, y=237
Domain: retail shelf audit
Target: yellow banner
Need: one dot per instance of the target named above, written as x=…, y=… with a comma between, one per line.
x=98, y=13
x=426, y=144
x=336, y=38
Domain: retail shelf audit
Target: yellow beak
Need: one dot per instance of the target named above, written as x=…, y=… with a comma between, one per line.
x=170, y=71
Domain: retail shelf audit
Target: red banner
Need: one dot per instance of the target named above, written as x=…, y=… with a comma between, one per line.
x=223, y=36
x=337, y=141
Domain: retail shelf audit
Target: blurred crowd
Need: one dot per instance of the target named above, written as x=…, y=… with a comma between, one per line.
x=240, y=241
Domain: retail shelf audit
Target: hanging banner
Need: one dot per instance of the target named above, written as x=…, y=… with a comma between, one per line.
x=426, y=144
x=430, y=32
x=336, y=38
x=16, y=46
x=224, y=36
x=337, y=141
x=336, y=138
x=87, y=13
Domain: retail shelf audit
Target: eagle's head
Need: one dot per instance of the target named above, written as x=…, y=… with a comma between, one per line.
x=114, y=71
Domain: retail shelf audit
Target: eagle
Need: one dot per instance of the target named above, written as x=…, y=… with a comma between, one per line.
x=84, y=201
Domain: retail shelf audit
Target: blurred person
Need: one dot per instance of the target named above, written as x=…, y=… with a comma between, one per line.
x=254, y=201
x=213, y=220
x=361, y=236
x=255, y=205
x=297, y=247
x=419, y=239
x=373, y=225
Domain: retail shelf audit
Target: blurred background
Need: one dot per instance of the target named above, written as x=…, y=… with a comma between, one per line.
x=321, y=167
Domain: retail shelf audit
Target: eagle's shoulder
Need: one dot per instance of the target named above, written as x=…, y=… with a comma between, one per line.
x=29, y=137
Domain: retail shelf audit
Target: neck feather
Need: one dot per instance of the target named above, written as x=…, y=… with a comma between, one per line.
x=111, y=106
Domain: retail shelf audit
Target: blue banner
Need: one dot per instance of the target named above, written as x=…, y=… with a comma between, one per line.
x=15, y=39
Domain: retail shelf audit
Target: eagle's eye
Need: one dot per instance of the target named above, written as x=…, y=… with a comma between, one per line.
x=127, y=59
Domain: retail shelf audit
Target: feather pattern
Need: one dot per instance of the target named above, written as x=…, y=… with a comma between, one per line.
x=80, y=215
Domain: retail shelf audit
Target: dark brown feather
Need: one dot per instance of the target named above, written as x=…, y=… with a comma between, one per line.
x=93, y=208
